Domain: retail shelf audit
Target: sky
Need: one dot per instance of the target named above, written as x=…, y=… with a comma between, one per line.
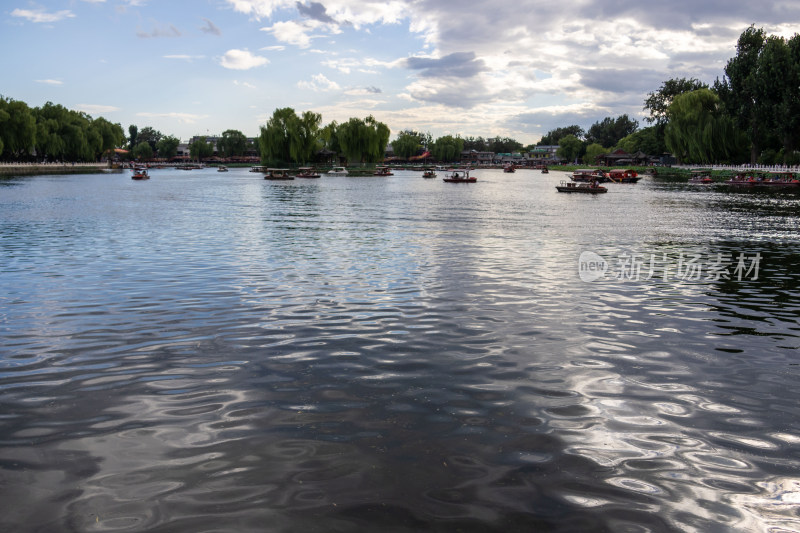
x=472, y=68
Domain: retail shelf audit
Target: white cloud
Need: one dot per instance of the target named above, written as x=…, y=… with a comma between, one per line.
x=184, y=57
x=291, y=32
x=94, y=109
x=186, y=118
x=319, y=83
x=241, y=60
x=41, y=16
x=244, y=84
x=50, y=82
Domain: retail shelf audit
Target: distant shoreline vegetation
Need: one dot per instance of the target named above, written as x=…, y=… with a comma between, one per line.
x=750, y=115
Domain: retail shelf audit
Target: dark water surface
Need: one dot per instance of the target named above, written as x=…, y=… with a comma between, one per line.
x=215, y=352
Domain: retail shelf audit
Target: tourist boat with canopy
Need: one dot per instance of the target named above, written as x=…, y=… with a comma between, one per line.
x=459, y=176
x=278, y=174
x=509, y=168
x=383, y=171
x=307, y=172
x=429, y=173
x=776, y=179
x=589, y=175
x=337, y=171
x=581, y=187
x=701, y=177
x=618, y=175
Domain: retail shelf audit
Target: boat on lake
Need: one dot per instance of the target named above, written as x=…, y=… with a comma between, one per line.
x=459, y=176
x=429, y=173
x=306, y=172
x=589, y=175
x=383, y=171
x=580, y=187
x=618, y=175
x=545, y=170
x=509, y=168
x=337, y=171
x=774, y=179
x=701, y=177
x=258, y=168
x=222, y=168
x=278, y=174
x=140, y=173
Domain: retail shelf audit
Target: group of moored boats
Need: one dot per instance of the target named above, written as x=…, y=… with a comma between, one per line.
x=588, y=180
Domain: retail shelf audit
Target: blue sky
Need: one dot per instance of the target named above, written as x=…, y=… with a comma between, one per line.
x=505, y=68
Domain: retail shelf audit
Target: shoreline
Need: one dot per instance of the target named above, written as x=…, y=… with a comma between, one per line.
x=29, y=169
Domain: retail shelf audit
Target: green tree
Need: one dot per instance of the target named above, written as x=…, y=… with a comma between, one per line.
x=504, y=145
x=647, y=140
x=475, y=143
x=111, y=135
x=149, y=135
x=167, y=147
x=233, y=143
x=143, y=151
x=740, y=89
x=699, y=132
x=304, y=140
x=363, y=140
x=200, y=149
x=569, y=147
x=555, y=135
x=447, y=148
x=407, y=144
x=17, y=128
x=133, y=133
x=658, y=101
x=593, y=151
x=609, y=131
x=329, y=139
x=276, y=137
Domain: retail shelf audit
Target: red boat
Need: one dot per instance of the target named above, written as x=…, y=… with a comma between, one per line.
x=619, y=175
x=459, y=176
x=383, y=171
x=140, y=174
x=779, y=179
x=509, y=168
x=702, y=177
x=276, y=174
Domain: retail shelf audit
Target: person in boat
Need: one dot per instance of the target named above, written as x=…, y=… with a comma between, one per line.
x=595, y=183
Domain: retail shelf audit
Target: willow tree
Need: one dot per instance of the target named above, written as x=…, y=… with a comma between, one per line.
x=699, y=132
x=447, y=148
x=363, y=140
x=304, y=136
x=17, y=128
x=232, y=143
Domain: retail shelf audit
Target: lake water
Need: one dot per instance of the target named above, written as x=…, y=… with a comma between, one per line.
x=211, y=351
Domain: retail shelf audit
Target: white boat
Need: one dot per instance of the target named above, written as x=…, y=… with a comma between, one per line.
x=337, y=171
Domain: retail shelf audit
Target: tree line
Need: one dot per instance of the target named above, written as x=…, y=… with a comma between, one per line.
x=53, y=133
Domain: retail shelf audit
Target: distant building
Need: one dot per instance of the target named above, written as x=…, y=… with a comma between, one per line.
x=473, y=157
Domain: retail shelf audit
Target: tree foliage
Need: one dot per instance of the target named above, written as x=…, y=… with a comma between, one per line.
x=168, y=147
x=200, y=149
x=609, y=131
x=698, y=131
x=593, y=151
x=143, y=151
x=289, y=138
x=407, y=144
x=658, y=102
x=232, y=143
x=447, y=148
x=555, y=135
x=363, y=140
x=739, y=88
x=569, y=147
